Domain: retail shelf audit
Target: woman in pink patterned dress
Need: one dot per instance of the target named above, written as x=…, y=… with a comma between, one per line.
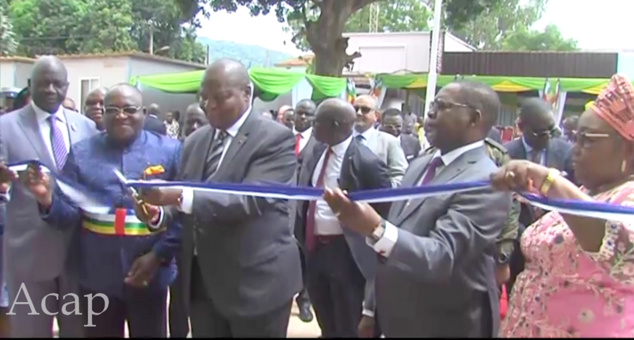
x=579, y=274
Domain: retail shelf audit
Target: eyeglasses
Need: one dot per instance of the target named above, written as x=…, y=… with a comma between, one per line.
x=126, y=110
x=364, y=109
x=439, y=105
x=543, y=133
x=586, y=139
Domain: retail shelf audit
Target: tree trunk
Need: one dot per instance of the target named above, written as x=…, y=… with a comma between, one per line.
x=325, y=36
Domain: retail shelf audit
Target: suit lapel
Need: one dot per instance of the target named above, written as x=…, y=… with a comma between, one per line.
x=417, y=168
x=346, y=165
x=201, y=150
x=446, y=175
x=71, y=125
x=31, y=128
x=310, y=163
x=236, y=144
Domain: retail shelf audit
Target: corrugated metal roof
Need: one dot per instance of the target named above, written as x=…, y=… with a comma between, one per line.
x=531, y=64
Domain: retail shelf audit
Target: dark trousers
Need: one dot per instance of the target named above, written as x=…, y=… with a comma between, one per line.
x=336, y=287
x=178, y=314
x=143, y=309
x=303, y=297
x=208, y=322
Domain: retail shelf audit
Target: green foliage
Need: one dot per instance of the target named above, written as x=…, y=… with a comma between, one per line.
x=8, y=44
x=102, y=26
x=548, y=40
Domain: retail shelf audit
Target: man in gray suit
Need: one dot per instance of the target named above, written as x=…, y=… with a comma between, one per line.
x=239, y=255
x=436, y=269
x=38, y=258
x=384, y=145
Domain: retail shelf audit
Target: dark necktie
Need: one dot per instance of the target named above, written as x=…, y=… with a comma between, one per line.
x=360, y=139
x=214, y=156
x=312, y=206
x=430, y=171
x=57, y=143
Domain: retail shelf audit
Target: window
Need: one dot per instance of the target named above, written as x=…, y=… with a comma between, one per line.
x=87, y=85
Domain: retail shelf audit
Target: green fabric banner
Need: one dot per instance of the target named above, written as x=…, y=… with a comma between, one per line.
x=498, y=83
x=270, y=81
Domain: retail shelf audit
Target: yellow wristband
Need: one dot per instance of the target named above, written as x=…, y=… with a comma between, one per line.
x=548, y=181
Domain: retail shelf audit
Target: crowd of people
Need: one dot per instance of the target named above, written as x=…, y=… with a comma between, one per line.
x=439, y=266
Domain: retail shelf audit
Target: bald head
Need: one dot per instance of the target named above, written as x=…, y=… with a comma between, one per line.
x=123, y=116
x=483, y=98
x=153, y=109
x=334, y=120
x=233, y=71
x=194, y=118
x=127, y=91
x=227, y=79
x=366, y=99
x=49, y=83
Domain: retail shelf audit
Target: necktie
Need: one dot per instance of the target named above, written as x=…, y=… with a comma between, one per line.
x=213, y=159
x=298, y=139
x=535, y=156
x=57, y=143
x=430, y=172
x=312, y=205
x=360, y=139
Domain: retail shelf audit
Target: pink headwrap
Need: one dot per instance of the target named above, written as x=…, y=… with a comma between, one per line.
x=615, y=105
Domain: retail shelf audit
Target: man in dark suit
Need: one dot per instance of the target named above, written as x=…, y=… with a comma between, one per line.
x=303, y=117
x=537, y=145
x=152, y=122
x=240, y=262
x=338, y=261
x=436, y=273
x=495, y=135
x=392, y=123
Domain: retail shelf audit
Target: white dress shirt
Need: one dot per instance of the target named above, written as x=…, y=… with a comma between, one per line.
x=187, y=203
x=305, y=136
x=326, y=223
x=45, y=127
x=386, y=243
x=540, y=154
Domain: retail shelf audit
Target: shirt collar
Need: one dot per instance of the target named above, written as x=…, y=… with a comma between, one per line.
x=305, y=134
x=340, y=149
x=368, y=133
x=452, y=155
x=233, y=130
x=42, y=115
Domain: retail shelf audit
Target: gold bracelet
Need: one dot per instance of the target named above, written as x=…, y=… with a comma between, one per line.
x=549, y=180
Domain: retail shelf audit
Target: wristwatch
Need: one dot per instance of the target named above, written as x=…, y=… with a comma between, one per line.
x=378, y=232
x=502, y=258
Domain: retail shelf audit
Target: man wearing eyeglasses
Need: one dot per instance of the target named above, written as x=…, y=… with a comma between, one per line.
x=119, y=256
x=385, y=146
x=538, y=145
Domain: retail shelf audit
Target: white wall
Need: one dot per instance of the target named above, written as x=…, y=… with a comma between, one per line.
x=397, y=51
x=7, y=74
x=108, y=70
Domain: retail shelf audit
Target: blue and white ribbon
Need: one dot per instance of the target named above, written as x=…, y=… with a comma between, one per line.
x=573, y=207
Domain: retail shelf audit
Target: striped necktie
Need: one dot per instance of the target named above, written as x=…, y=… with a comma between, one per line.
x=57, y=143
x=213, y=160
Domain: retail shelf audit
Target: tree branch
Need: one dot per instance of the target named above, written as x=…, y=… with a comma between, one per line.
x=358, y=4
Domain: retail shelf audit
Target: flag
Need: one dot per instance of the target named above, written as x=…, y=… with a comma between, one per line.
x=546, y=90
x=351, y=90
x=376, y=87
x=555, y=99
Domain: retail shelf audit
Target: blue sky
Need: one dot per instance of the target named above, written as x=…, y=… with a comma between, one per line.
x=596, y=25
